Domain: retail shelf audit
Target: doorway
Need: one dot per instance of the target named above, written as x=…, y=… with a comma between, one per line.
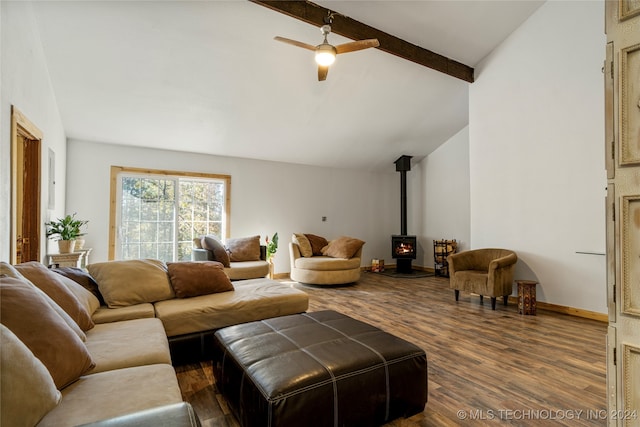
x=26, y=146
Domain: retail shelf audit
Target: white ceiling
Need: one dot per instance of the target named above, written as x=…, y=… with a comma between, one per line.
x=207, y=77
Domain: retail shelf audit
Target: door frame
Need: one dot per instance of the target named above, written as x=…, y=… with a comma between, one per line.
x=23, y=129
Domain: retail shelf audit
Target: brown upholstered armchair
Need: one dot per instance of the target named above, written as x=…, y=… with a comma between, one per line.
x=484, y=272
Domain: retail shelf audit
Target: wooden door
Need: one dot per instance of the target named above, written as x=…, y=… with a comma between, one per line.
x=622, y=138
x=26, y=222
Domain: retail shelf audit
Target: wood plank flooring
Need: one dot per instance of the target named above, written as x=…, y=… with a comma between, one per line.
x=485, y=367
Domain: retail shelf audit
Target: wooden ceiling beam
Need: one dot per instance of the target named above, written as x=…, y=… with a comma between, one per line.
x=314, y=14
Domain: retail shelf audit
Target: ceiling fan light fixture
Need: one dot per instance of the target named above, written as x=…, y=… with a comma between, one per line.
x=325, y=54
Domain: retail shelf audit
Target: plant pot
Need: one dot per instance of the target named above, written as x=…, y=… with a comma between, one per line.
x=79, y=244
x=66, y=246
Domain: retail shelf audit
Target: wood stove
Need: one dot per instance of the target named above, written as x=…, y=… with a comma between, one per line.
x=403, y=249
x=403, y=246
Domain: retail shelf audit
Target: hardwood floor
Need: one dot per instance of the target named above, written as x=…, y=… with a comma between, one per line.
x=485, y=367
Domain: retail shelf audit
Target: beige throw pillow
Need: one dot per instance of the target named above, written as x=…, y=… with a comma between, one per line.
x=82, y=278
x=7, y=270
x=342, y=247
x=218, y=250
x=42, y=330
x=27, y=391
x=51, y=284
x=303, y=243
x=190, y=279
x=86, y=298
x=243, y=248
x=130, y=282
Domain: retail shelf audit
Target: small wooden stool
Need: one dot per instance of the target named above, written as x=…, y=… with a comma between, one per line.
x=527, y=296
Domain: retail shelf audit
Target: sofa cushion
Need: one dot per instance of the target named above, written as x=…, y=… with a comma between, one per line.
x=130, y=282
x=247, y=270
x=113, y=393
x=105, y=314
x=303, y=244
x=42, y=330
x=129, y=343
x=86, y=298
x=8, y=270
x=243, y=248
x=27, y=391
x=324, y=263
x=51, y=284
x=177, y=414
x=342, y=247
x=63, y=314
x=317, y=243
x=190, y=279
x=216, y=248
x=81, y=277
x=252, y=300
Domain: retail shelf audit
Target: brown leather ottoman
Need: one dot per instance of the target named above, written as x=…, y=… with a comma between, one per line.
x=318, y=369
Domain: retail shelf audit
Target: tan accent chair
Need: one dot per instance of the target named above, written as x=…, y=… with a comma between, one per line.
x=323, y=270
x=483, y=272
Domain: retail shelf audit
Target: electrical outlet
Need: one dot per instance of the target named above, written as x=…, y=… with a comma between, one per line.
x=324, y=219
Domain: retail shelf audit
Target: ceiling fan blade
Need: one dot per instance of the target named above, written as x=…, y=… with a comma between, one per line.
x=323, y=70
x=295, y=43
x=357, y=45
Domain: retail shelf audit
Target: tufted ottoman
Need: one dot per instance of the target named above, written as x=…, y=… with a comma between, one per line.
x=318, y=369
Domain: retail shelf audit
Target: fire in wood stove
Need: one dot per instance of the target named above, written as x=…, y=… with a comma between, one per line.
x=403, y=246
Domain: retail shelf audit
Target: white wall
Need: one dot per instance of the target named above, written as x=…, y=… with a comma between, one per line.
x=446, y=204
x=24, y=82
x=536, y=152
x=266, y=197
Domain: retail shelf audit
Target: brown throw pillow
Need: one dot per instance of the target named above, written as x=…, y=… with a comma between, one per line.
x=342, y=247
x=212, y=244
x=243, y=248
x=27, y=391
x=190, y=279
x=131, y=282
x=51, y=284
x=8, y=270
x=42, y=330
x=317, y=243
x=82, y=278
x=303, y=244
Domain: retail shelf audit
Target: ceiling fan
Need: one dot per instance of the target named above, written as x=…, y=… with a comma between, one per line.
x=325, y=52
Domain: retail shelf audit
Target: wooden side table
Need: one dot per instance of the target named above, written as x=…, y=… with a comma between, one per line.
x=527, y=296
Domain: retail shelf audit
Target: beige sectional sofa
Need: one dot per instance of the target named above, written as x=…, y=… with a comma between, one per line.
x=121, y=360
x=249, y=300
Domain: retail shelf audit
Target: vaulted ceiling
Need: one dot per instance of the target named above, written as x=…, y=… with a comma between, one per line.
x=207, y=77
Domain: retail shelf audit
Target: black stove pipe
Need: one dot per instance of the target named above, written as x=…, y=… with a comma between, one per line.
x=403, y=203
x=403, y=164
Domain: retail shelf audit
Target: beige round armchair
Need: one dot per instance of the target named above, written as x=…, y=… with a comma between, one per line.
x=329, y=269
x=483, y=272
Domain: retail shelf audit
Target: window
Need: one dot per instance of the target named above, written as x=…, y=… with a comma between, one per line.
x=157, y=214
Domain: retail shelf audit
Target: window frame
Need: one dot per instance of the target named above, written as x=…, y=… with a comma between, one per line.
x=113, y=196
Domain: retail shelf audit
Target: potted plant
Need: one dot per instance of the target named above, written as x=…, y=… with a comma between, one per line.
x=272, y=248
x=65, y=230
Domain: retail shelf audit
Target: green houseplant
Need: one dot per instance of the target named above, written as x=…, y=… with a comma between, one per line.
x=65, y=230
x=272, y=248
